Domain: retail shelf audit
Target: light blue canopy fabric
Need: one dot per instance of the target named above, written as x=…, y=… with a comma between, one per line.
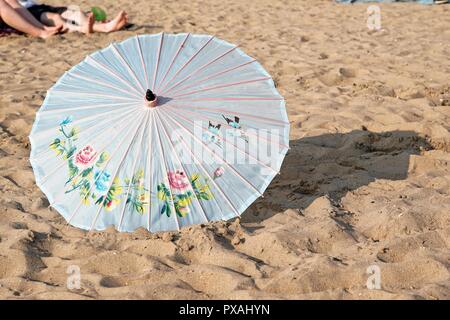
x=386, y=1
x=104, y=157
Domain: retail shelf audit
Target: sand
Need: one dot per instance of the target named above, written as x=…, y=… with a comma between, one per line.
x=365, y=185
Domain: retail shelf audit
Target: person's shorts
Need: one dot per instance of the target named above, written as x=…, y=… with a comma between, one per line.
x=38, y=9
x=3, y=25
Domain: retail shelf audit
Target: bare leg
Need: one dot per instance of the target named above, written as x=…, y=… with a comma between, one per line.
x=12, y=18
x=114, y=25
x=25, y=13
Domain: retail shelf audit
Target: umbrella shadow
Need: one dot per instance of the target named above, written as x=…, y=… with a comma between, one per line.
x=162, y=100
x=334, y=164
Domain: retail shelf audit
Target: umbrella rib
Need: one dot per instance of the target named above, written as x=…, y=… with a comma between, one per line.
x=193, y=84
x=214, y=154
x=181, y=164
x=142, y=59
x=76, y=75
x=209, y=176
x=111, y=72
x=95, y=180
x=92, y=106
x=244, y=152
x=199, y=69
x=237, y=113
x=186, y=63
x=166, y=178
x=157, y=61
x=125, y=63
x=63, y=163
x=173, y=61
x=88, y=93
x=94, y=221
x=132, y=172
x=223, y=86
x=76, y=121
x=222, y=122
x=149, y=168
x=230, y=99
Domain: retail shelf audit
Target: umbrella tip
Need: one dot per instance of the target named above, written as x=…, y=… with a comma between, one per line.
x=151, y=98
x=149, y=95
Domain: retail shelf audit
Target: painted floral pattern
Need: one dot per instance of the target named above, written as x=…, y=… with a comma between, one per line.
x=85, y=157
x=180, y=192
x=237, y=129
x=88, y=175
x=234, y=130
x=212, y=135
x=218, y=172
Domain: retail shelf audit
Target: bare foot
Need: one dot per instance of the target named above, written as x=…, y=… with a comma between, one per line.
x=117, y=23
x=49, y=31
x=87, y=27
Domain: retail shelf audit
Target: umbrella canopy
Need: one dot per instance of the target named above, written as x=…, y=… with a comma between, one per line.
x=159, y=131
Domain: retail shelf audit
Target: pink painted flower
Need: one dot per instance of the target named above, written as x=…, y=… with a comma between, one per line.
x=219, y=172
x=178, y=180
x=85, y=157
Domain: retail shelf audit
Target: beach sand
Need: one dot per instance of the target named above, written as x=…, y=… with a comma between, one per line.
x=366, y=183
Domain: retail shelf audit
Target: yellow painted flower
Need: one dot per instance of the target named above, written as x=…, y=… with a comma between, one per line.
x=75, y=181
x=184, y=202
x=161, y=195
x=74, y=131
x=117, y=188
x=104, y=156
x=140, y=173
x=183, y=211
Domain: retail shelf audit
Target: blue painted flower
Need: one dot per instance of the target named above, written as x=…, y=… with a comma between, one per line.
x=101, y=181
x=66, y=121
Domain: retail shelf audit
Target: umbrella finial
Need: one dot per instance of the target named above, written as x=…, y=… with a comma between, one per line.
x=151, y=99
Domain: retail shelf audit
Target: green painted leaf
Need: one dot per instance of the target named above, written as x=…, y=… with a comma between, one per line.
x=71, y=152
x=86, y=172
x=73, y=132
x=205, y=196
x=73, y=170
x=165, y=209
x=139, y=207
x=99, y=200
x=101, y=159
x=55, y=143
